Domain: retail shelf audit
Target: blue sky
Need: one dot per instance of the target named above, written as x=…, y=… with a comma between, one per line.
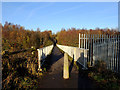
x=57, y=15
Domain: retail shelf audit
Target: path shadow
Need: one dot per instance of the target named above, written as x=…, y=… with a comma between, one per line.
x=42, y=58
x=52, y=58
x=56, y=55
x=84, y=81
x=71, y=65
x=82, y=76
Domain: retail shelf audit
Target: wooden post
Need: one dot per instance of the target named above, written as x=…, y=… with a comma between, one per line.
x=66, y=67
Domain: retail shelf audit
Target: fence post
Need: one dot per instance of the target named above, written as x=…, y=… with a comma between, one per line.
x=107, y=53
x=86, y=41
x=88, y=49
x=79, y=40
x=100, y=46
x=102, y=38
x=84, y=50
x=82, y=42
x=93, y=52
x=118, y=53
x=112, y=53
x=97, y=42
x=95, y=47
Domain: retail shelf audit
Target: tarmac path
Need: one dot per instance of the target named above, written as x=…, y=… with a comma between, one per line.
x=54, y=77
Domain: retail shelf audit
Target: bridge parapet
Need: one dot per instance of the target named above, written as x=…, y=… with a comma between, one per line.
x=42, y=54
x=78, y=54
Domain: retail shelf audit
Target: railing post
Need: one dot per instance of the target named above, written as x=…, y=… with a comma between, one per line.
x=82, y=42
x=39, y=60
x=75, y=54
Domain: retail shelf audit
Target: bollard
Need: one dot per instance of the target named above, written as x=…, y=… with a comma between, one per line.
x=66, y=67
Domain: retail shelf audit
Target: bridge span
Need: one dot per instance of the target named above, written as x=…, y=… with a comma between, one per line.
x=53, y=78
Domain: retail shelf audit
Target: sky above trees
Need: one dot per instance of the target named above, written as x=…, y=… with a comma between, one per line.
x=57, y=15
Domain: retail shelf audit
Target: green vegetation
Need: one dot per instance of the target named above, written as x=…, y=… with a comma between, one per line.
x=103, y=77
x=20, y=57
x=15, y=38
x=20, y=70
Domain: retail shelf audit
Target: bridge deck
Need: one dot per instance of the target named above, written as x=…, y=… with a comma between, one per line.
x=54, y=77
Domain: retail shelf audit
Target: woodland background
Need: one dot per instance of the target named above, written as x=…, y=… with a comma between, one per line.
x=20, y=70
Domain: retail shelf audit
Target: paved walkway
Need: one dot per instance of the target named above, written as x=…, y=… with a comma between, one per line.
x=54, y=77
